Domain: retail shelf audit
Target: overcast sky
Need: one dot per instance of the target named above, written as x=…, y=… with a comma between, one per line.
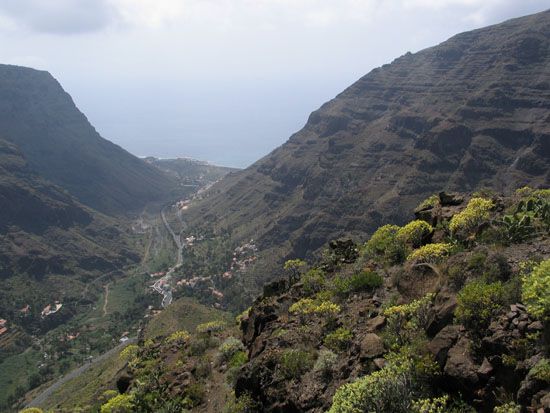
x=222, y=80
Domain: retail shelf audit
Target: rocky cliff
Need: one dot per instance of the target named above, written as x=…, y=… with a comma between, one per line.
x=469, y=113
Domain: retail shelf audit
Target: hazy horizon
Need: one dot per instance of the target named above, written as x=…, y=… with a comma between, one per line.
x=219, y=80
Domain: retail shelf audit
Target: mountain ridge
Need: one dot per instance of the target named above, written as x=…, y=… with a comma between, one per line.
x=469, y=113
x=60, y=144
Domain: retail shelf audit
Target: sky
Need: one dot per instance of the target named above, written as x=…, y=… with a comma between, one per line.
x=222, y=80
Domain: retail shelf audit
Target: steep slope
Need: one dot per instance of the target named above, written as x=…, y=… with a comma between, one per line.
x=471, y=112
x=45, y=231
x=60, y=144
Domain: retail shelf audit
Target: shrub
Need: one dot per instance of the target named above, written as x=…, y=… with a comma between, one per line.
x=384, y=243
x=242, y=404
x=431, y=405
x=243, y=315
x=129, y=352
x=364, y=280
x=294, y=363
x=178, y=337
x=211, y=327
x=475, y=213
x=123, y=403
x=307, y=306
x=536, y=290
x=507, y=408
x=237, y=361
x=293, y=269
x=314, y=281
x=414, y=233
x=194, y=395
x=339, y=339
x=406, y=321
x=541, y=370
x=229, y=348
x=476, y=261
x=325, y=362
x=391, y=389
x=429, y=202
x=430, y=253
x=32, y=410
x=478, y=302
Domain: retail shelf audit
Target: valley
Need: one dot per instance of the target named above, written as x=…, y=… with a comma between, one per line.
x=392, y=256
x=109, y=308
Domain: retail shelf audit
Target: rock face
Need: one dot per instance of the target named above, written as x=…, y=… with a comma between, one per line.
x=471, y=112
x=59, y=143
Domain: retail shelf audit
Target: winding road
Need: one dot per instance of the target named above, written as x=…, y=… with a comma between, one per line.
x=162, y=285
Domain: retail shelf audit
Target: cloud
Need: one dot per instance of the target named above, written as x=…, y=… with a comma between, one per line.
x=58, y=16
x=85, y=16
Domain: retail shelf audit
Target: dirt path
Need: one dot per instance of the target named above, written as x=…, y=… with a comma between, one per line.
x=106, y=301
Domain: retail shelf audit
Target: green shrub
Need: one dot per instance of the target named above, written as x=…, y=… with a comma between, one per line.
x=536, y=290
x=237, y=361
x=476, y=261
x=414, y=233
x=32, y=410
x=429, y=202
x=294, y=363
x=339, y=339
x=325, y=362
x=384, y=244
x=242, y=404
x=243, y=315
x=508, y=408
x=364, y=280
x=229, y=347
x=407, y=321
x=478, y=302
x=123, y=403
x=469, y=219
x=431, y=405
x=129, y=352
x=211, y=327
x=430, y=253
x=307, y=306
x=541, y=370
x=314, y=281
x=194, y=395
x=391, y=389
x=178, y=337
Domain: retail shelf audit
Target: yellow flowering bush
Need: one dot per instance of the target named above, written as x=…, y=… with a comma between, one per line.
x=178, y=336
x=405, y=321
x=384, y=243
x=475, y=213
x=211, y=327
x=387, y=390
x=129, y=352
x=307, y=306
x=431, y=201
x=414, y=232
x=536, y=290
x=430, y=253
x=507, y=408
x=123, y=403
x=432, y=405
